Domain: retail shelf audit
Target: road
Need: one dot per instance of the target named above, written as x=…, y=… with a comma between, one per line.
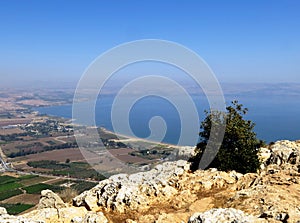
x=2, y=161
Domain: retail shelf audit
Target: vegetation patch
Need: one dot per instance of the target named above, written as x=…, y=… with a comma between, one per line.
x=34, y=180
x=10, y=193
x=81, y=186
x=47, y=164
x=7, y=179
x=37, y=188
x=9, y=186
x=80, y=170
x=26, y=177
x=239, y=147
x=68, y=194
x=156, y=152
x=18, y=208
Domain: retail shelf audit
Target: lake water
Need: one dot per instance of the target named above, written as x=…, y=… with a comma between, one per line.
x=276, y=117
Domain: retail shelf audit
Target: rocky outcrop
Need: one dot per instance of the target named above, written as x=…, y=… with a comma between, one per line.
x=168, y=181
x=6, y=218
x=91, y=218
x=50, y=200
x=172, y=193
x=227, y=215
x=51, y=208
x=130, y=192
x=281, y=152
x=274, y=194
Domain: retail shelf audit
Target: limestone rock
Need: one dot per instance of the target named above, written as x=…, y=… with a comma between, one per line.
x=122, y=192
x=95, y=218
x=44, y=214
x=280, y=153
x=2, y=211
x=221, y=215
x=50, y=200
x=91, y=217
x=6, y=218
x=50, y=215
x=130, y=221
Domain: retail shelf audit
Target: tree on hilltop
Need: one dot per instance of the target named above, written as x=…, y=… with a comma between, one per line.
x=239, y=148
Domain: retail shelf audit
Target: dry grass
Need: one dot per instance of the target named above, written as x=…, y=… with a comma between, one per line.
x=68, y=194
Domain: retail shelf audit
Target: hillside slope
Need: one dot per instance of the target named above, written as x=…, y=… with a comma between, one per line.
x=172, y=193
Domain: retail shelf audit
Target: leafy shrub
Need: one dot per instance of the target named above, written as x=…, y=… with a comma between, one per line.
x=240, y=145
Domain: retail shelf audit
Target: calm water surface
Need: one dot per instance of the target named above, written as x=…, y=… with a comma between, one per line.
x=276, y=118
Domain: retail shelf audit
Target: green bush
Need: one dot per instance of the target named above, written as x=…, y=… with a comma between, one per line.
x=240, y=145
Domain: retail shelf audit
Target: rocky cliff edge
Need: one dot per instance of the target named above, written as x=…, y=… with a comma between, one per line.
x=172, y=193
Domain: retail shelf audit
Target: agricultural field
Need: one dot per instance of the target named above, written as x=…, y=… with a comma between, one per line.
x=79, y=170
x=38, y=134
x=73, y=154
x=66, y=162
x=17, y=208
x=15, y=189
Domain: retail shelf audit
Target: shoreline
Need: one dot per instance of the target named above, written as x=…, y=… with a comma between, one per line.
x=135, y=139
x=119, y=135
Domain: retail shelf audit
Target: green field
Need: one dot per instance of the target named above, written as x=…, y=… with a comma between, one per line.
x=9, y=193
x=6, y=179
x=26, y=177
x=37, y=188
x=9, y=186
x=32, y=184
x=12, y=186
x=80, y=170
x=18, y=208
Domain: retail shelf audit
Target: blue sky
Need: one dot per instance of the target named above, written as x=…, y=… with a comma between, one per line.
x=242, y=41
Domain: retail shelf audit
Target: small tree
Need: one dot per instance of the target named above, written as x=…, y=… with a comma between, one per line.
x=240, y=145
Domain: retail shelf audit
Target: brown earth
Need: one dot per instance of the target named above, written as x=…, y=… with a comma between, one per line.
x=23, y=198
x=123, y=155
x=73, y=154
x=10, y=131
x=14, y=121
